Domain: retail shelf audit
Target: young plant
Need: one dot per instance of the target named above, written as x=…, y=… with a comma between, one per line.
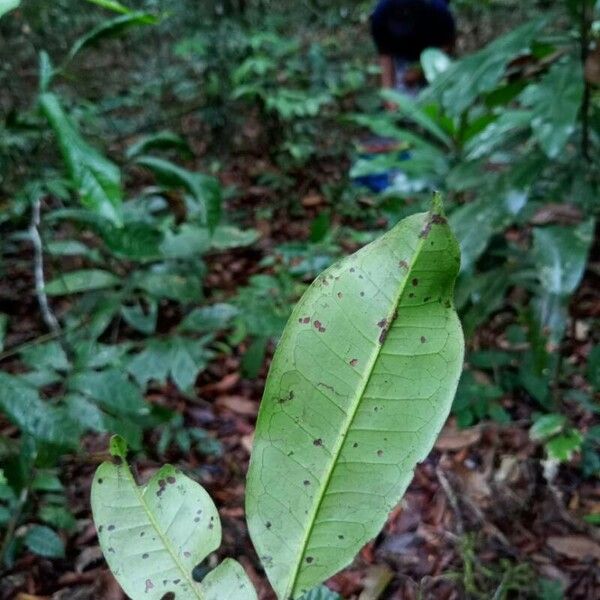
x=360, y=386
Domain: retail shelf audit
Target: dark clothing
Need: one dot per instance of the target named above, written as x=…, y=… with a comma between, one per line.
x=404, y=28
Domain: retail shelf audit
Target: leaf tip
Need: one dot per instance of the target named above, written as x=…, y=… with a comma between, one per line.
x=118, y=447
x=437, y=204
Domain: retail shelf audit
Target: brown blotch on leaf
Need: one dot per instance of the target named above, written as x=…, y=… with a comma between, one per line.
x=111, y=527
x=168, y=596
x=187, y=554
x=382, y=323
x=318, y=442
x=306, y=482
x=145, y=555
x=415, y=282
x=171, y=479
x=403, y=264
x=354, y=362
x=100, y=529
x=268, y=524
x=383, y=335
x=379, y=452
x=162, y=484
x=306, y=320
x=149, y=585
x=319, y=326
x=339, y=295
x=196, y=519
x=309, y=559
x=434, y=220
x=423, y=339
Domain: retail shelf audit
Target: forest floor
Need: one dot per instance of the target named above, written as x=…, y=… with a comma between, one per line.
x=484, y=517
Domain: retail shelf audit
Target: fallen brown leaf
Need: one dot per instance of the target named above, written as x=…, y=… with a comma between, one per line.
x=577, y=547
x=457, y=439
x=238, y=404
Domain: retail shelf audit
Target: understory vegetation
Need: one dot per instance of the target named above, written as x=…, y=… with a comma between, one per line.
x=175, y=175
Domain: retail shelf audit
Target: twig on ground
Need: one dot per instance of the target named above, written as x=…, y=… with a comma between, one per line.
x=451, y=498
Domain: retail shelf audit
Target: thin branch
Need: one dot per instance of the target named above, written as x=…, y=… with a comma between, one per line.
x=451, y=498
x=38, y=270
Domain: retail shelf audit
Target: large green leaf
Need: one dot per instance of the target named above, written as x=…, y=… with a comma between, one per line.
x=84, y=280
x=360, y=385
x=154, y=535
x=555, y=102
x=97, y=179
x=8, y=5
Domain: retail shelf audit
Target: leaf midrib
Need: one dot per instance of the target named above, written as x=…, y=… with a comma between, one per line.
x=193, y=586
x=350, y=419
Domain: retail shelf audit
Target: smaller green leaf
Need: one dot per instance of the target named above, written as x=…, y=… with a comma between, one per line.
x=321, y=593
x=43, y=541
x=546, y=426
x=204, y=189
x=161, y=140
x=153, y=536
x=209, y=318
x=118, y=447
x=3, y=328
x=226, y=237
x=112, y=27
x=57, y=516
x=111, y=5
x=84, y=280
x=434, y=62
x=563, y=447
x=45, y=481
x=141, y=318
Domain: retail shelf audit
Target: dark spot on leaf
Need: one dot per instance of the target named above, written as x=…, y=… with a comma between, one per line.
x=427, y=299
x=362, y=293
x=415, y=282
x=339, y=295
x=318, y=325
x=340, y=537
x=112, y=550
x=187, y=554
x=379, y=452
x=352, y=269
x=162, y=484
x=360, y=277
x=117, y=460
x=196, y=519
x=145, y=555
x=176, y=581
x=111, y=527
x=300, y=320
x=171, y=479
x=210, y=525
x=306, y=320
x=354, y=362
x=423, y=339
x=382, y=323
x=403, y=264
x=411, y=295
x=447, y=304
x=149, y=585
x=142, y=533
x=100, y=480
x=376, y=409
x=318, y=442
x=355, y=445
x=268, y=524
x=199, y=511
x=309, y=559
x=382, y=336
x=100, y=529
x=434, y=220
x=168, y=596
x=306, y=482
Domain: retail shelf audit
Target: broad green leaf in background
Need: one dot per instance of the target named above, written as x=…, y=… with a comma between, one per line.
x=112, y=5
x=321, y=593
x=547, y=426
x=154, y=535
x=7, y=5
x=560, y=255
x=23, y=406
x=360, y=385
x=96, y=178
x=111, y=27
x=555, y=102
x=593, y=368
x=84, y=280
x=465, y=80
x=204, y=189
x=44, y=541
x=434, y=62
x=161, y=139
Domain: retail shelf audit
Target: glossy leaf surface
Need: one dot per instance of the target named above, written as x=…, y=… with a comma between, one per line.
x=360, y=385
x=153, y=536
